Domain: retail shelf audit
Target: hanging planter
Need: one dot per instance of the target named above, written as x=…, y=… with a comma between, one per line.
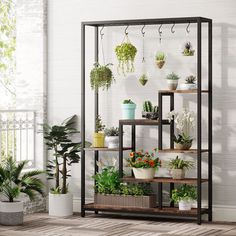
x=188, y=49
x=143, y=79
x=160, y=59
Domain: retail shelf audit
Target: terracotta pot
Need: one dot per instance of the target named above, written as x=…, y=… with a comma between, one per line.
x=172, y=84
x=144, y=173
x=184, y=146
x=177, y=173
x=160, y=63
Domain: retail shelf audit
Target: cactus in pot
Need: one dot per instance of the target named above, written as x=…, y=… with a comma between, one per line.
x=149, y=111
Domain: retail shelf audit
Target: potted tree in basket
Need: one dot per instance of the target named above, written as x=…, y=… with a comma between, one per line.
x=178, y=167
x=99, y=136
x=12, y=184
x=112, y=137
x=184, y=195
x=144, y=164
x=189, y=83
x=65, y=152
x=128, y=109
x=184, y=125
x=160, y=59
x=172, y=81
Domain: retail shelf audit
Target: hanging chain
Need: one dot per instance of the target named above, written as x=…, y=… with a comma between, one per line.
x=143, y=33
x=160, y=33
x=101, y=45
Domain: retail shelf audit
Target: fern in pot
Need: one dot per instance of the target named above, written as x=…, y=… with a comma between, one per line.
x=13, y=183
x=112, y=137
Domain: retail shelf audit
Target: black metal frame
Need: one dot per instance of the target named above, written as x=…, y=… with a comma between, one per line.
x=183, y=20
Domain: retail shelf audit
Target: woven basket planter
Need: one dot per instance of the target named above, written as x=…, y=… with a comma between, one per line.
x=125, y=201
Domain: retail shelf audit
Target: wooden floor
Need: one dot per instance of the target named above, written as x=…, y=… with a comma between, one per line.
x=96, y=225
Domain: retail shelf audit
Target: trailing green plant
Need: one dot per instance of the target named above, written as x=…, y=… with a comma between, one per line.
x=184, y=193
x=99, y=126
x=190, y=79
x=172, y=76
x=101, y=77
x=183, y=139
x=65, y=152
x=160, y=56
x=188, y=49
x=128, y=101
x=113, y=131
x=148, y=107
x=125, y=53
x=143, y=79
x=13, y=182
x=178, y=163
x=135, y=189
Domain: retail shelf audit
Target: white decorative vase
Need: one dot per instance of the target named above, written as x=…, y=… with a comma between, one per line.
x=188, y=86
x=185, y=205
x=60, y=204
x=112, y=141
x=11, y=213
x=144, y=173
x=172, y=84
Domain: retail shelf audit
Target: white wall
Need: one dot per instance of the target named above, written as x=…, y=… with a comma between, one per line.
x=64, y=18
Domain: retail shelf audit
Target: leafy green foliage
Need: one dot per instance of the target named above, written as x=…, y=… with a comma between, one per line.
x=160, y=56
x=135, y=189
x=128, y=101
x=12, y=182
x=190, y=79
x=172, y=76
x=125, y=53
x=183, y=139
x=178, y=163
x=101, y=77
x=148, y=107
x=184, y=192
x=113, y=131
x=188, y=51
x=99, y=127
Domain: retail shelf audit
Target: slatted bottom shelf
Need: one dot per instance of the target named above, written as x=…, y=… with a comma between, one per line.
x=174, y=211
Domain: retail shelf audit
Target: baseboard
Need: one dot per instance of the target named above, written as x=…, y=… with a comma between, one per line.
x=220, y=212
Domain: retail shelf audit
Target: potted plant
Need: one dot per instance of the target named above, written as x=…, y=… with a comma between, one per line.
x=101, y=77
x=144, y=164
x=112, y=137
x=99, y=136
x=65, y=152
x=125, y=53
x=111, y=191
x=128, y=109
x=160, y=59
x=188, y=49
x=143, y=79
x=178, y=167
x=184, y=195
x=12, y=183
x=184, y=125
x=150, y=111
x=189, y=83
x=172, y=81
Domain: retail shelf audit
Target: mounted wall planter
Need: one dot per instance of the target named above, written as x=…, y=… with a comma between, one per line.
x=128, y=111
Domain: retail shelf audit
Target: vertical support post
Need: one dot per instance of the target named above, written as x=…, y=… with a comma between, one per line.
x=96, y=102
x=133, y=141
x=199, y=120
x=160, y=195
x=172, y=127
x=160, y=121
x=82, y=163
x=120, y=149
x=210, y=120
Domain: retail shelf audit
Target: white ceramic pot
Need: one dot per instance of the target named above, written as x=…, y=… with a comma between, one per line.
x=177, y=173
x=188, y=86
x=172, y=84
x=60, y=204
x=144, y=173
x=112, y=141
x=11, y=213
x=185, y=205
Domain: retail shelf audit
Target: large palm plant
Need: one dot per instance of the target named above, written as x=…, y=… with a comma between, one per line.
x=13, y=182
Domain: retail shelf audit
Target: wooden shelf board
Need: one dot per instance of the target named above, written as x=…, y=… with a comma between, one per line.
x=164, y=211
x=182, y=91
x=106, y=149
x=190, y=151
x=163, y=180
x=143, y=122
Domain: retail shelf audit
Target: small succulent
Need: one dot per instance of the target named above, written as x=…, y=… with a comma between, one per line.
x=128, y=101
x=188, y=49
x=113, y=131
x=190, y=79
x=143, y=79
x=99, y=125
x=160, y=56
x=172, y=76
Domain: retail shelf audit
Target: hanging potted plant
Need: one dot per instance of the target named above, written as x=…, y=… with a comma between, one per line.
x=65, y=153
x=99, y=136
x=150, y=111
x=184, y=125
x=184, y=195
x=125, y=53
x=160, y=59
x=188, y=49
x=12, y=183
x=101, y=77
x=128, y=109
x=172, y=81
x=144, y=164
x=189, y=83
x=178, y=167
x=143, y=79
x=112, y=137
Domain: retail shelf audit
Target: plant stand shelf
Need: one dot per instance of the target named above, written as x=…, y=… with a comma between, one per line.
x=190, y=151
x=105, y=149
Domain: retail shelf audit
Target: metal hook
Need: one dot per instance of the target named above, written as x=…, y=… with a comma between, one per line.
x=143, y=33
x=172, y=28
x=126, y=29
x=159, y=29
x=187, y=29
x=101, y=33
